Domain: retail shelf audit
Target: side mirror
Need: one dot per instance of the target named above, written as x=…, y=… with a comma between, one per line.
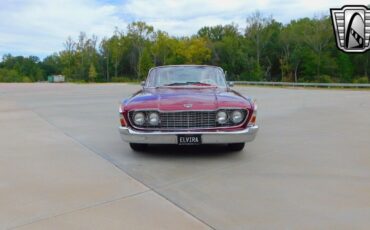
x=230, y=84
x=142, y=83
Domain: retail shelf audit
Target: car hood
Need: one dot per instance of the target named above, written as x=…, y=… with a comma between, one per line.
x=177, y=98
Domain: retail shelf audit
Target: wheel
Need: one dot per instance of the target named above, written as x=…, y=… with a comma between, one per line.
x=236, y=146
x=138, y=147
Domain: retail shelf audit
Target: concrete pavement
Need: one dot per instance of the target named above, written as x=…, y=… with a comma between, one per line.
x=49, y=180
x=63, y=164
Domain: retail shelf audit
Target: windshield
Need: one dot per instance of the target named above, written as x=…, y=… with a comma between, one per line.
x=186, y=75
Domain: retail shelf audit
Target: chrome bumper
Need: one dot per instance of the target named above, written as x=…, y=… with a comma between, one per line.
x=216, y=137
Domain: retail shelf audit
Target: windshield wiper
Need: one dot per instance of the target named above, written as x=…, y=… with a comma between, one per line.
x=188, y=83
x=198, y=83
x=177, y=83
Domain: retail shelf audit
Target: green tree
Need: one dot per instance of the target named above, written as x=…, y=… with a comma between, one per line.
x=301, y=50
x=228, y=48
x=145, y=63
x=162, y=48
x=22, y=68
x=258, y=37
x=92, y=73
x=138, y=36
x=317, y=34
x=345, y=67
x=195, y=51
x=52, y=65
x=290, y=40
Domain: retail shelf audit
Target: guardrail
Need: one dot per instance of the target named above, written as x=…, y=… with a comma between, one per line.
x=301, y=84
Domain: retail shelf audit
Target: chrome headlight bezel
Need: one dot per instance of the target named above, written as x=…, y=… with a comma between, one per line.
x=221, y=117
x=139, y=118
x=153, y=118
x=237, y=116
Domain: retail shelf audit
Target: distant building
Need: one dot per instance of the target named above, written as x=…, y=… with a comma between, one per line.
x=56, y=78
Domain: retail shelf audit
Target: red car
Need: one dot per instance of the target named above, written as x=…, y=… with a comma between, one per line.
x=187, y=105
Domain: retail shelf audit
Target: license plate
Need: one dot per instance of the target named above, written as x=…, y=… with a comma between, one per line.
x=189, y=139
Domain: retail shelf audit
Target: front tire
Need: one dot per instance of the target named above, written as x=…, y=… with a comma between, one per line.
x=236, y=146
x=138, y=147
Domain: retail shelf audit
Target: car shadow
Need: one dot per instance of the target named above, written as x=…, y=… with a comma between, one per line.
x=202, y=151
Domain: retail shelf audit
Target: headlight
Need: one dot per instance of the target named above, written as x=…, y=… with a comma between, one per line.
x=139, y=118
x=221, y=117
x=237, y=117
x=153, y=119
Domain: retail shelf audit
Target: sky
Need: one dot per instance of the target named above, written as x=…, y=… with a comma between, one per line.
x=40, y=27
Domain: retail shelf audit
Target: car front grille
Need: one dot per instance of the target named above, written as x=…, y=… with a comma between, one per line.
x=185, y=120
x=188, y=119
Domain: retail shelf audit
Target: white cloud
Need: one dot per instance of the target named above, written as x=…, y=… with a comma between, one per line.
x=185, y=17
x=41, y=26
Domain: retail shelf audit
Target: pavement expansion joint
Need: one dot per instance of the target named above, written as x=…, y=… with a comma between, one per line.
x=108, y=159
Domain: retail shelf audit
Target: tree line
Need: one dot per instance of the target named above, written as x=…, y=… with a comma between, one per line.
x=303, y=50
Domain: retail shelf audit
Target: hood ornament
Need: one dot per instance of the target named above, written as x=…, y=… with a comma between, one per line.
x=188, y=106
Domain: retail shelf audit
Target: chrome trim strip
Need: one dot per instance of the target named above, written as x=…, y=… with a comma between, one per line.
x=217, y=137
x=193, y=128
x=188, y=110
